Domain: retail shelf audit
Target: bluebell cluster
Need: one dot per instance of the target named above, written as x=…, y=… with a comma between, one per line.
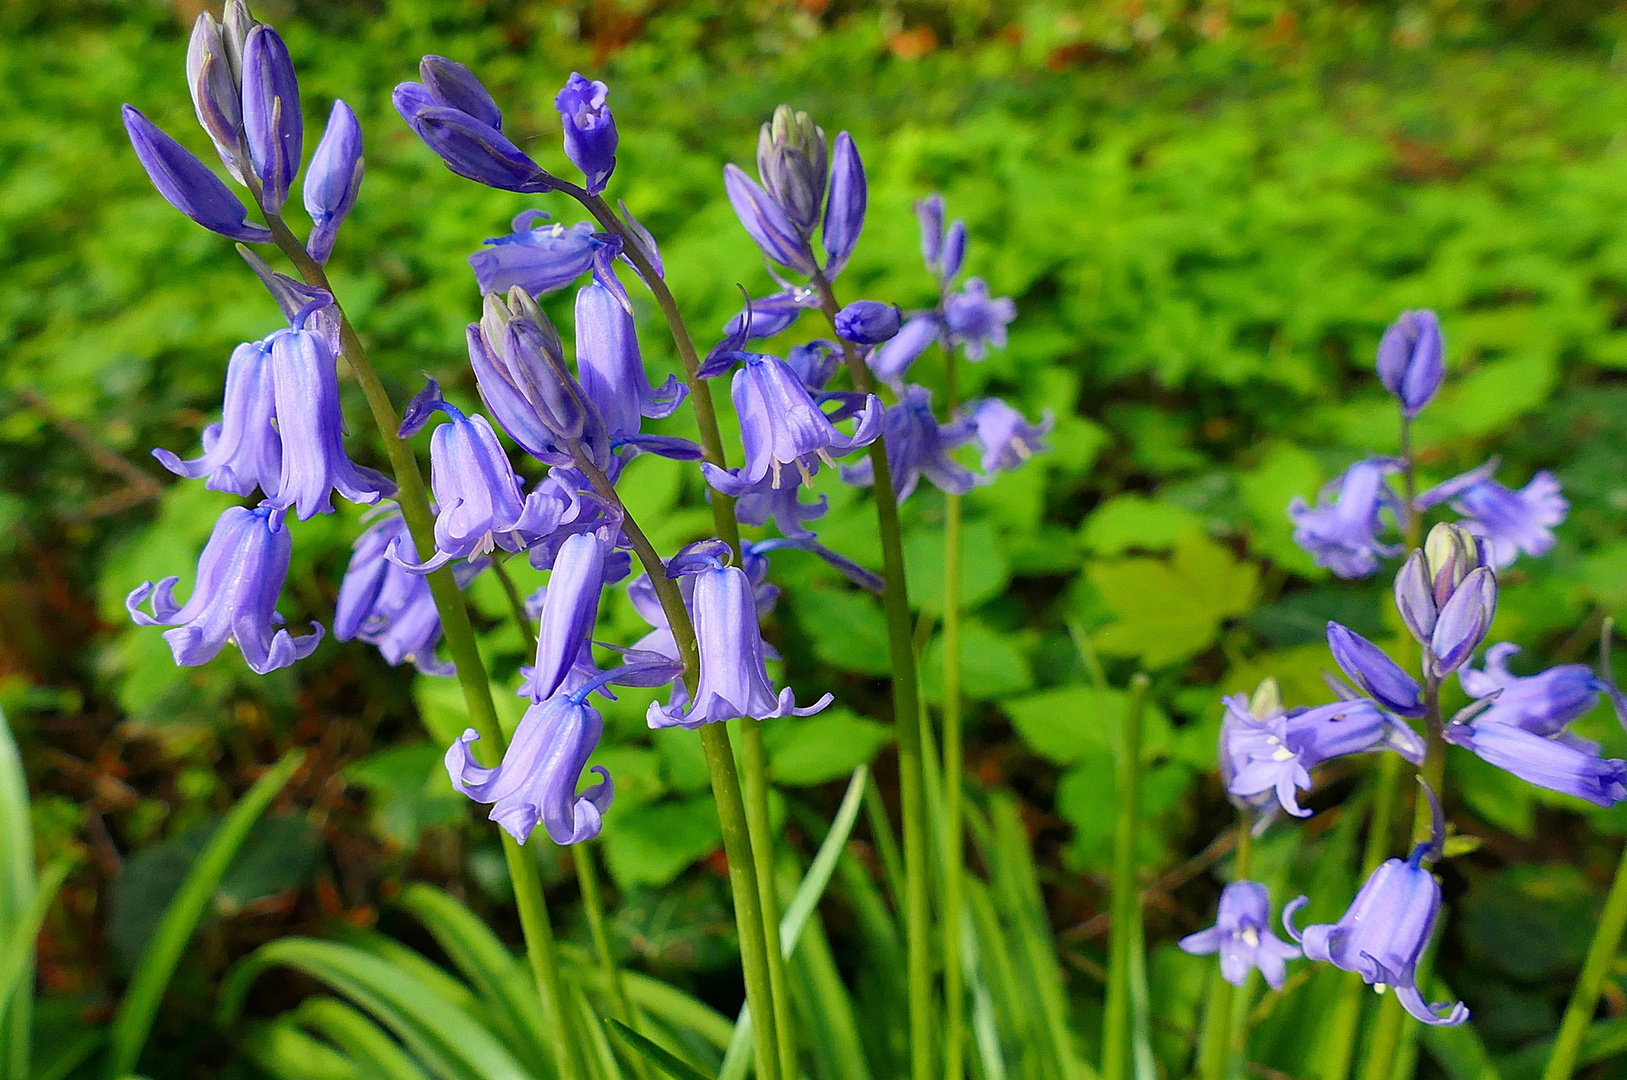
x=282, y=434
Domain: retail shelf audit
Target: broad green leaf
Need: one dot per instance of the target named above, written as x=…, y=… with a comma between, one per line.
x=651, y=845
x=1070, y=723
x=1284, y=471
x=1128, y=522
x=846, y=627
x=984, y=571
x=1168, y=611
x=992, y=666
x=139, y=1006
x=816, y=749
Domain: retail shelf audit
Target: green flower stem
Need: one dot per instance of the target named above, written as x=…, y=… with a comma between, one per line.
x=954, y=994
x=1126, y=897
x=587, y=880
x=465, y=652
x=906, y=720
x=516, y=605
x=1600, y=956
x=720, y=766
x=753, y=756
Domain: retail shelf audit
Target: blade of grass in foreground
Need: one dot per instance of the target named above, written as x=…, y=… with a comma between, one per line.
x=16, y=895
x=139, y=1006
x=801, y=908
x=668, y=1063
x=1116, y=1060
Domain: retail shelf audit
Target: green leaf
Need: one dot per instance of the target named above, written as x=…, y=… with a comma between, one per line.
x=984, y=570
x=846, y=627
x=17, y=899
x=363, y=1041
x=287, y=1053
x=992, y=666
x=651, y=845
x=1284, y=471
x=1169, y=611
x=1074, y=723
x=1127, y=522
x=139, y=1006
x=816, y=749
x=663, y=1059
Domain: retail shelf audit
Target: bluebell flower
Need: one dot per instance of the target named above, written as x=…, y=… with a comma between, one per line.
x=845, y=205
x=569, y=611
x=539, y=258
x=894, y=357
x=868, y=322
x=608, y=364
x=243, y=451
x=305, y=383
x=1560, y=762
x=1411, y=362
x=519, y=364
x=1276, y=752
x=590, y=129
x=1375, y=673
x=1341, y=531
x=213, y=77
x=780, y=425
x=1510, y=522
x=1542, y=704
x=917, y=447
x=187, y=183
x=1387, y=927
x=388, y=607
x=457, y=119
x=333, y=181
x=734, y=678
x=766, y=222
x=815, y=363
x=272, y=122
x=1005, y=438
x=482, y=506
x=240, y=575
x=766, y=501
x=570, y=505
x=794, y=166
x=1463, y=621
x=540, y=771
x=929, y=214
x=954, y=251
x=1243, y=938
x=976, y=321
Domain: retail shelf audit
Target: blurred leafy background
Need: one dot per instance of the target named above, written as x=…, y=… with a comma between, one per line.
x=1206, y=212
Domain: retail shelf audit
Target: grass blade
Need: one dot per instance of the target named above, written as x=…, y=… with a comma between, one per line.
x=1116, y=1063
x=669, y=1063
x=377, y=1055
x=139, y=1006
x=800, y=909
x=285, y=1052
x=17, y=954
x=16, y=895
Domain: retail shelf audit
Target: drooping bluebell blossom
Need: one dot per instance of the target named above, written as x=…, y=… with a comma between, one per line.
x=569, y=611
x=1542, y=704
x=388, y=607
x=540, y=771
x=608, y=363
x=519, y=364
x=1560, y=762
x=1006, y=439
x=734, y=678
x=765, y=501
x=917, y=447
x=769, y=315
x=845, y=206
x=893, y=359
x=187, y=183
x=305, y=382
x=333, y=181
x=1341, y=531
x=482, y=506
x=1374, y=672
x=590, y=129
x=976, y=321
x=1411, y=360
x=868, y=322
x=1386, y=929
x=243, y=451
x=577, y=508
x=538, y=258
x=272, y=122
x=212, y=75
x=929, y=213
x=815, y=363
x=780, y=425
x=1277, y=751
x=1509, y=521
x=1242, y=936
x=240, y=575
x=457, y=119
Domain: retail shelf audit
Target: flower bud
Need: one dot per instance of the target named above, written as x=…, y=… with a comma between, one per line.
x=187, y=184
x=954, y=249
x=1464, y=620
x=272, y=123
x=1415, y=598
x=1451, y=552
x=453, y=85
x=334, y=179
x=868, y=322
x=1266, y=700
x=929, y=212
x=844, y=210
x=793, y=162
x=235, y=26
x=590, y=129
x=216, y=95
x=1411, y=362
x=519, y=363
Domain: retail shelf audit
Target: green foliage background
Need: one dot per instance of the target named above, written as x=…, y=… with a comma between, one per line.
x=1206, y=214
